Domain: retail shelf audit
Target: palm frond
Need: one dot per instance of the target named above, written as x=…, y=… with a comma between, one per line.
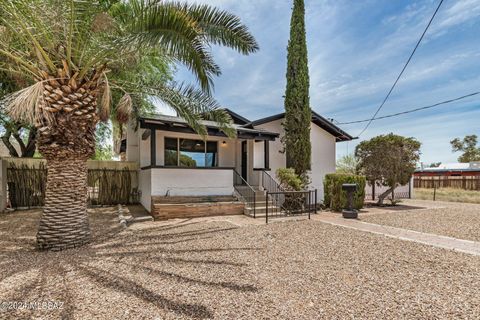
x=124, y=109
x=165, y=26
x=24, y=105
x=195, y=105
x=222, y=27
x=106, y=99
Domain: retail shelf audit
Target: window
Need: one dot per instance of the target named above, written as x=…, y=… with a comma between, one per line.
x=171, y=154
x=190, y=153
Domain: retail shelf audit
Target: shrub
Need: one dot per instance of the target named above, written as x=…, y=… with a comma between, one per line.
x=289, y=180
x=335, y=198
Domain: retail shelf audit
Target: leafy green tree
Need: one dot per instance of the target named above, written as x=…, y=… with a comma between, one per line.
x=388, y=160
x=347, y=164
x=65, y=51
x=469, y=148
x=298, y=115
x=103, y=147
x=23, y=134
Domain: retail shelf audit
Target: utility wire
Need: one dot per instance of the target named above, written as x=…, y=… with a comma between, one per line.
x=401, y=73
x=413, y=110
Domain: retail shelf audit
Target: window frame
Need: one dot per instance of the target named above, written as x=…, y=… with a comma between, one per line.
x=216, y=164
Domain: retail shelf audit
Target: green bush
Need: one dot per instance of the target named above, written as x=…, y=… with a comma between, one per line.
x=335, y=198
x=289, y=180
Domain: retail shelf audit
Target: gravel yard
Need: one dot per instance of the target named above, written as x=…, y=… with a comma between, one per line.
x=458, y=220
x=193, y=269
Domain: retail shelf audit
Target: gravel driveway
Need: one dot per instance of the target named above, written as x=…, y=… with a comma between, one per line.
x=291, y=270
x=458, y=220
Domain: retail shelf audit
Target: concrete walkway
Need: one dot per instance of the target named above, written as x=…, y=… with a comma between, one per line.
x=465, y=246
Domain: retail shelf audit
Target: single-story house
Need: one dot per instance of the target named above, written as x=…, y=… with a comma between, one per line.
x=175, y=161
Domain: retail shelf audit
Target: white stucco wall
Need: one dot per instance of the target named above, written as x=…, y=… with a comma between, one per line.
x=258, y=155
x=191, y=182
x=323, y=153
x=145, y=185
x=323, y=157
x=133, y=144
x=277, y=158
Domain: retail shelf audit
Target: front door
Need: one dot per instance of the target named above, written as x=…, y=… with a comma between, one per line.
x=244, y=160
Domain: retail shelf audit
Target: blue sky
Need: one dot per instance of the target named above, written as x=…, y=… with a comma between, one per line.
x=356, y=50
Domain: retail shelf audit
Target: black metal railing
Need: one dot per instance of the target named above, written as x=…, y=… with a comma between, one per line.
x=245, y=191
x=290, y=203
x=270, y=185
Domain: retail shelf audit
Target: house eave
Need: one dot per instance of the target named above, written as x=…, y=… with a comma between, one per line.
x=176, y=126
x=338, y=133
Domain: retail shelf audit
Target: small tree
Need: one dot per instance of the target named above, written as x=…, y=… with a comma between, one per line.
x=347, y=164
x=469, y=148
x=388, y=160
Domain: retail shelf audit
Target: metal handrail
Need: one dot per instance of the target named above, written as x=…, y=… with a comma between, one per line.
x=309, y=205
x=247, y=194
x=269, y=183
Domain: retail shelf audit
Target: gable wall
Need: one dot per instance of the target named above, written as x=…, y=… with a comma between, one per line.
x=323, y=153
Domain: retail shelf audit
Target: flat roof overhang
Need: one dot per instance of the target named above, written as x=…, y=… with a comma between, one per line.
x=175, y=126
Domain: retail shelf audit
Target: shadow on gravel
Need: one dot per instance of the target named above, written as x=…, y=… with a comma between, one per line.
x=112, y=262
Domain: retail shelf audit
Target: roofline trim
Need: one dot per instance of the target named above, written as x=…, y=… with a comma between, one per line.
x=334, y=130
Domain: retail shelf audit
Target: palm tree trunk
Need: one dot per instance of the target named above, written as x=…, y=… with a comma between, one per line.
x=64, y=223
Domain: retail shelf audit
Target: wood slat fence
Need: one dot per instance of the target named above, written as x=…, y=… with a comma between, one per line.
x=457, y=182
x=26, y=185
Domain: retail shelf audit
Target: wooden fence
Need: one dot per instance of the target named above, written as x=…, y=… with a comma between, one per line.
x=457, y=182
x=400, y=192
x=108, y=185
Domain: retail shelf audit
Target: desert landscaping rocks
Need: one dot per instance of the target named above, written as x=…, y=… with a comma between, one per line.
x=457, y=220
x=215, y=269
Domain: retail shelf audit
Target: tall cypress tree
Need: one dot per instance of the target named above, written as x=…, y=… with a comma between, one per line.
x=298, y=115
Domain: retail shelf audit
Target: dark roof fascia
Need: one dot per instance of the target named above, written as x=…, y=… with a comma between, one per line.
x=320, y=121
x=168, y=125
x=238, y=119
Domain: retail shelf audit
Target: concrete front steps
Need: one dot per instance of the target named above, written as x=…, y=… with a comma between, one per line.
x=260, y=203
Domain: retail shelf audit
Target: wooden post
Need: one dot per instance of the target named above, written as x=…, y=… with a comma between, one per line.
x=434, y=190
x=266, y=154
x=153, y=148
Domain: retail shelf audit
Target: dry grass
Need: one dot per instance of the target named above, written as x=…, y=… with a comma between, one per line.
x=448, y=194
x=192, y=269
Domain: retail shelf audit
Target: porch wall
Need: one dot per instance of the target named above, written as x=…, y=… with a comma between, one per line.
x=191, y=182
x=145, y=185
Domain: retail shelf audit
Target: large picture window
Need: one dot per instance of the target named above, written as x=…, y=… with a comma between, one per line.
x=190, y=153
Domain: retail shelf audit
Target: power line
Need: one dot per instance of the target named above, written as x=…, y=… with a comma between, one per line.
x=413, y=110
x=404, y=67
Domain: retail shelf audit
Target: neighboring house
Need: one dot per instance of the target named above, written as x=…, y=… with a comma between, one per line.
x=175, y=161
x=451, y=170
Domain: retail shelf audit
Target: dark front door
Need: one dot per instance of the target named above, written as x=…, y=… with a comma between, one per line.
x=244, y=160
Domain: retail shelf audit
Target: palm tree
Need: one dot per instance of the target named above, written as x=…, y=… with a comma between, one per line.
x=67, y=49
